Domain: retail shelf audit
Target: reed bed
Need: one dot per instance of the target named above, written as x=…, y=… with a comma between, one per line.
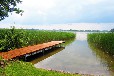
x=103, y=41
x=17, y=38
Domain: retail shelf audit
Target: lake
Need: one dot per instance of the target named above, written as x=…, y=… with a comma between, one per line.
x=77, y=57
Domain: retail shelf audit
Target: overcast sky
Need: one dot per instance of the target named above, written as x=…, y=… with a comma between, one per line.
x=46, y=12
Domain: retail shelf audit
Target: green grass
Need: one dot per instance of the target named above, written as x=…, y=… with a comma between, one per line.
x=103, y=41
x=19, y=68
x=17, y=38
x=1, y=71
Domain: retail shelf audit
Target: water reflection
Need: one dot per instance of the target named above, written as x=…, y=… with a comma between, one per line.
x=39, y=57
x=78, y=58
x=104, y=58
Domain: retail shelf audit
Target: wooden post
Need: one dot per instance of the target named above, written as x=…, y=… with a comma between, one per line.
x=43, y=51
x=25, y=57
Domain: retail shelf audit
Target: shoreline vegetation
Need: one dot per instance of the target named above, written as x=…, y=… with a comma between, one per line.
x=20, y=68
x=17, y=38
x=102, y=41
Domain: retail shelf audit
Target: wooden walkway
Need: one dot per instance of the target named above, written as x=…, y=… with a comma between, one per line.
x=30, y=50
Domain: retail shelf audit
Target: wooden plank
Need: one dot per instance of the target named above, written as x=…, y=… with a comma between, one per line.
x=28, y=50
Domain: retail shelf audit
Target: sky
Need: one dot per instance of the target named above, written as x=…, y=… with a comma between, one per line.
x=48, y=13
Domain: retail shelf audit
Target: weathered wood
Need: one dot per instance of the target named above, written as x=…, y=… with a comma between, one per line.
x=30, y=50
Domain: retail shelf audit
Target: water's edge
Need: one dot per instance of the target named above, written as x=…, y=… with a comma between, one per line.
x=77, y=57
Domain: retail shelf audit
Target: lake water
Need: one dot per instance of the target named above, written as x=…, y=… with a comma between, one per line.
x=77, y=57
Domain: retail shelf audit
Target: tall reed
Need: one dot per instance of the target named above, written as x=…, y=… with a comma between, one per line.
x=103, y=41
x=16, y=38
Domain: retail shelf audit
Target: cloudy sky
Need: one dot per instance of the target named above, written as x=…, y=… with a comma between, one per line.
x=48, y=12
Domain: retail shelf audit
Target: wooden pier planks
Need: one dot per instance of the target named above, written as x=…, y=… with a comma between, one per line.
x=28, y=50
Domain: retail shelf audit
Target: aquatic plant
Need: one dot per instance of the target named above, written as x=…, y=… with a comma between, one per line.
x=103, y=41
x=16, y=38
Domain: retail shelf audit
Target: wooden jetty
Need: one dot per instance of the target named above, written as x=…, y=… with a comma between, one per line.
x=30, y=50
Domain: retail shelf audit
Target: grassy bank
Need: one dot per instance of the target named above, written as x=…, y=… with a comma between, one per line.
x=16, y=38
x=19, y=68
x=103, y=41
